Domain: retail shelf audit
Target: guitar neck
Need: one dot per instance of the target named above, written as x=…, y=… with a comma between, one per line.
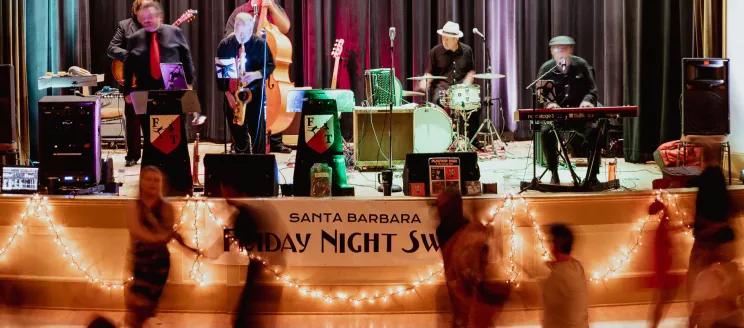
x=335, y=74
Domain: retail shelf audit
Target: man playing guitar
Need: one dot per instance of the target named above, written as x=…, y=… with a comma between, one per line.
x=278, y=17
x=117, y=49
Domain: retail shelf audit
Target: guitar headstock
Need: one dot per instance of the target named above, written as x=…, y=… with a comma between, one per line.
x=187, y=16
x=338, y=48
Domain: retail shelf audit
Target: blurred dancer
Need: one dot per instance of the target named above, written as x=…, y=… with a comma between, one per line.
x=712, y=231
x=565, y=294
x=248, y=223
x=662, y=280
x=476, y=301
x=150, y=230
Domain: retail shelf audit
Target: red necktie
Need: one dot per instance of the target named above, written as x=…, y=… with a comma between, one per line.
x=155, y=57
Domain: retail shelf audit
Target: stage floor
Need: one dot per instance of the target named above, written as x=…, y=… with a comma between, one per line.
x=515, y=164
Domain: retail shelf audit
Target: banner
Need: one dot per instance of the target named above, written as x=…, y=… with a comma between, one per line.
x=346, y=233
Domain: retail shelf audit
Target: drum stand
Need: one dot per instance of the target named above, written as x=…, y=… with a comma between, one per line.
x=487, y=128
x=461, y=142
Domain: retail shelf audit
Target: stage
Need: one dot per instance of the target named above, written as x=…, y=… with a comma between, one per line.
x=515, y=162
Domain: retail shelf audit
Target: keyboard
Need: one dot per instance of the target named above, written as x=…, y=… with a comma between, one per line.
x=544, y=114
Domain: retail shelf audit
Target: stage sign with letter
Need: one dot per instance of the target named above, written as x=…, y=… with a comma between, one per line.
x=347, y=233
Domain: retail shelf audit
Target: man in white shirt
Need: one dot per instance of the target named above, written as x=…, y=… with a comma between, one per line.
x=565, y=295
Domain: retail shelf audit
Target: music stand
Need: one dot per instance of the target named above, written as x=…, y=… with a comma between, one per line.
x=226, y=69
x=165, y=143
x=173, y=76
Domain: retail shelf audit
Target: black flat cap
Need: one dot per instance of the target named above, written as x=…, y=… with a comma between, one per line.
x=562, y=41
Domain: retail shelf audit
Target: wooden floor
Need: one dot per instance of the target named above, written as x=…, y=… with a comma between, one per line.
x=615, y=317
x=514, y=164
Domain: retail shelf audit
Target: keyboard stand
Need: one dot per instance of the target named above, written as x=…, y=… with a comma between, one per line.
x=578, y=185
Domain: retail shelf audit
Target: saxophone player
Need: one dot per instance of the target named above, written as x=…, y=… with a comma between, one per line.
x=248, y=51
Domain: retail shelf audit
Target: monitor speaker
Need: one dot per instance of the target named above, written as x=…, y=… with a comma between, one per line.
x=254, y=175
x=705, y=96
x=416, y=170
x=70, y=139
x=7, y=105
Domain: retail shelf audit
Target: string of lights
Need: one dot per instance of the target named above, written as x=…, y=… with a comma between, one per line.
x=38, y=207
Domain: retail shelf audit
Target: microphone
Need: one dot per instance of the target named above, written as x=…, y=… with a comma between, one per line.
x=563, y=64
x=391, y=33
x=475, y=30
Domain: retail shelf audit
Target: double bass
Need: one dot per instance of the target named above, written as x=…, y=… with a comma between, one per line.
x=279, y=83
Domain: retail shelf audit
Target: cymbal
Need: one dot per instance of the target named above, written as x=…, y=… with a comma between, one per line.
x=427, y=77
x=407, y=93
x=489, y=76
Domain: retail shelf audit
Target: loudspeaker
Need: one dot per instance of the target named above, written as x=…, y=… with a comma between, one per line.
x=371, y=142
x=705, y=96
x=70, y=139
x=416, y=170
x=254, y=175
x=7, y=105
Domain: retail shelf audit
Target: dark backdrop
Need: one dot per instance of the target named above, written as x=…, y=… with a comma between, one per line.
x=635, y=46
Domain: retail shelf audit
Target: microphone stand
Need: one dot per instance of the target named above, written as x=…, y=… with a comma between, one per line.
x=387, y=187
x=535, y=183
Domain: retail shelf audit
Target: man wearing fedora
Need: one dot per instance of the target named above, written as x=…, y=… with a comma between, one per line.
x=452, y=59
x=573, y=86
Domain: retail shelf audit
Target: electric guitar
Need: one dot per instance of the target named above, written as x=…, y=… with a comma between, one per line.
x=117, y=67
x=338, y=48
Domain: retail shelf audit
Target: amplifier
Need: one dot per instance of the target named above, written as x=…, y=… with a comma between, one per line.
x=371, y=141
x=70, y=139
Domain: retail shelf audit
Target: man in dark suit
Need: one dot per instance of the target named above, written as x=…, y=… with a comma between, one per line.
x=573, y=86
x=156, y=44
x=117, y=49
x=277, y=16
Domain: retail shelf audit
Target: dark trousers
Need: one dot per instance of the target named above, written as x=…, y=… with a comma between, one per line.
x=588, y=130
x=241, y=133
x=134, y=134
x=275, y=142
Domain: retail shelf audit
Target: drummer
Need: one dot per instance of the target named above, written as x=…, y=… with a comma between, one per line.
x=452, y=59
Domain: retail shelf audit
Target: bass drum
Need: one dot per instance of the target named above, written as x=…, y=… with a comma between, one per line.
x=432, y=130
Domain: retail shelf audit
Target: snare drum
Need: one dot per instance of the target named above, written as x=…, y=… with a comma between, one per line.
x=464, y=97
x=432, y=130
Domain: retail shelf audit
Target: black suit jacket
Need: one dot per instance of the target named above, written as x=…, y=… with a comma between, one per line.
x=574, y=87
x=117, y=48
x=173, y=49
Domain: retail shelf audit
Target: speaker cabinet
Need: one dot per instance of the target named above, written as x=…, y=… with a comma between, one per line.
x=371, y=139
x=705, y=96
x=70, y=139
x=254, y=175
x=7, y=105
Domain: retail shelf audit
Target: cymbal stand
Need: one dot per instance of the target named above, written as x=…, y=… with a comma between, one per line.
x=487, y=124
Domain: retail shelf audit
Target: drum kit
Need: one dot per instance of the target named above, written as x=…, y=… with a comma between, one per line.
x=435, y=131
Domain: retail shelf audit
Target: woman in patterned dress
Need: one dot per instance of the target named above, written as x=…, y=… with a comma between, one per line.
x=150, y=230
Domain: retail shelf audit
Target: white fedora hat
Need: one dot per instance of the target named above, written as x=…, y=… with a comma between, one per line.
x=451, y=29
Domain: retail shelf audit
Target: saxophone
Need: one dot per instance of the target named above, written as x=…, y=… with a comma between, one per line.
x=243, y=95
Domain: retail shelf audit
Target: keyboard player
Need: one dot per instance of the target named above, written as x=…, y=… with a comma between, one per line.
x=573, y=86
